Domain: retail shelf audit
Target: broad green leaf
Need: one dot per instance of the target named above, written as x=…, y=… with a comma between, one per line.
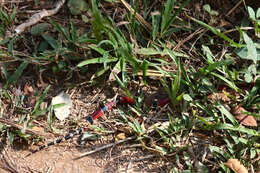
x=77, y=7
x=251, y=13
x=61, y=29
x=218, y=64
x=252, y=53
x=97, y=22
x=51, y=41
x=258, y=13
x=243, y=53
x=13, y=14
x=207, y=8
x=208, y=53
x=39, y=28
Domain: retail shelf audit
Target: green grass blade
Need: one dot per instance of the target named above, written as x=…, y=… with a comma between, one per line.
x=224, y=111
x=63, y=30
x=16, y=74
x=97, y=61
x=39, y=102
x=98, y=22
x=52, y=42
x=156, y=25
x=145, y=68
x=218, y=33
x=225, y=126
x=167, y=14
x=228, y=82
x=98, y=49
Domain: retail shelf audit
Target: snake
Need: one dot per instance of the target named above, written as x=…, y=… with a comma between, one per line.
x=98, y=113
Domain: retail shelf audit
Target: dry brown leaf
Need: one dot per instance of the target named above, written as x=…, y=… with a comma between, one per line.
x=236, y=166
x=28, y=89
x=244, y=119
x=34, y=100
x=39, y=129
x=120, y=136
x=219, y=97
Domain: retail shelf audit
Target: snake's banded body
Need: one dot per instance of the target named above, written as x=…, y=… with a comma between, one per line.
x=90, y=119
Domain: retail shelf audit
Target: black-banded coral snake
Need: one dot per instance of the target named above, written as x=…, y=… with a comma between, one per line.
x=106, y=108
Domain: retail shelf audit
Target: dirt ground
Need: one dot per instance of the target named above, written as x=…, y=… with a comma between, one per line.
x=63, y=159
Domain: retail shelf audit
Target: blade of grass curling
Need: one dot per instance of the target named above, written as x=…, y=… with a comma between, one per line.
x=218, y=33
x=224, y=111
x=229, y=83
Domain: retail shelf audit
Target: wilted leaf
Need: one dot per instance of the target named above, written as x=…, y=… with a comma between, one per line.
x=236, y=166
x=115, y=70
x=62, y=104
x=244, y=119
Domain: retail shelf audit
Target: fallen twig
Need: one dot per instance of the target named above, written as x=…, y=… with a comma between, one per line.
x=138, y=16
x=20, y=127
x=105, y=147
x=38, y=16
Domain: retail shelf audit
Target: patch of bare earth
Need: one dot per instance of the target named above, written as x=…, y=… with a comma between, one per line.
x=63, y=159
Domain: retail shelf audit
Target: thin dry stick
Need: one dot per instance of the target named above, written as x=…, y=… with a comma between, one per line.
x=234, y=8
x=13, y=124
x=138, y=16
x=38, y=16
x=105, y=147
x=188, y=38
